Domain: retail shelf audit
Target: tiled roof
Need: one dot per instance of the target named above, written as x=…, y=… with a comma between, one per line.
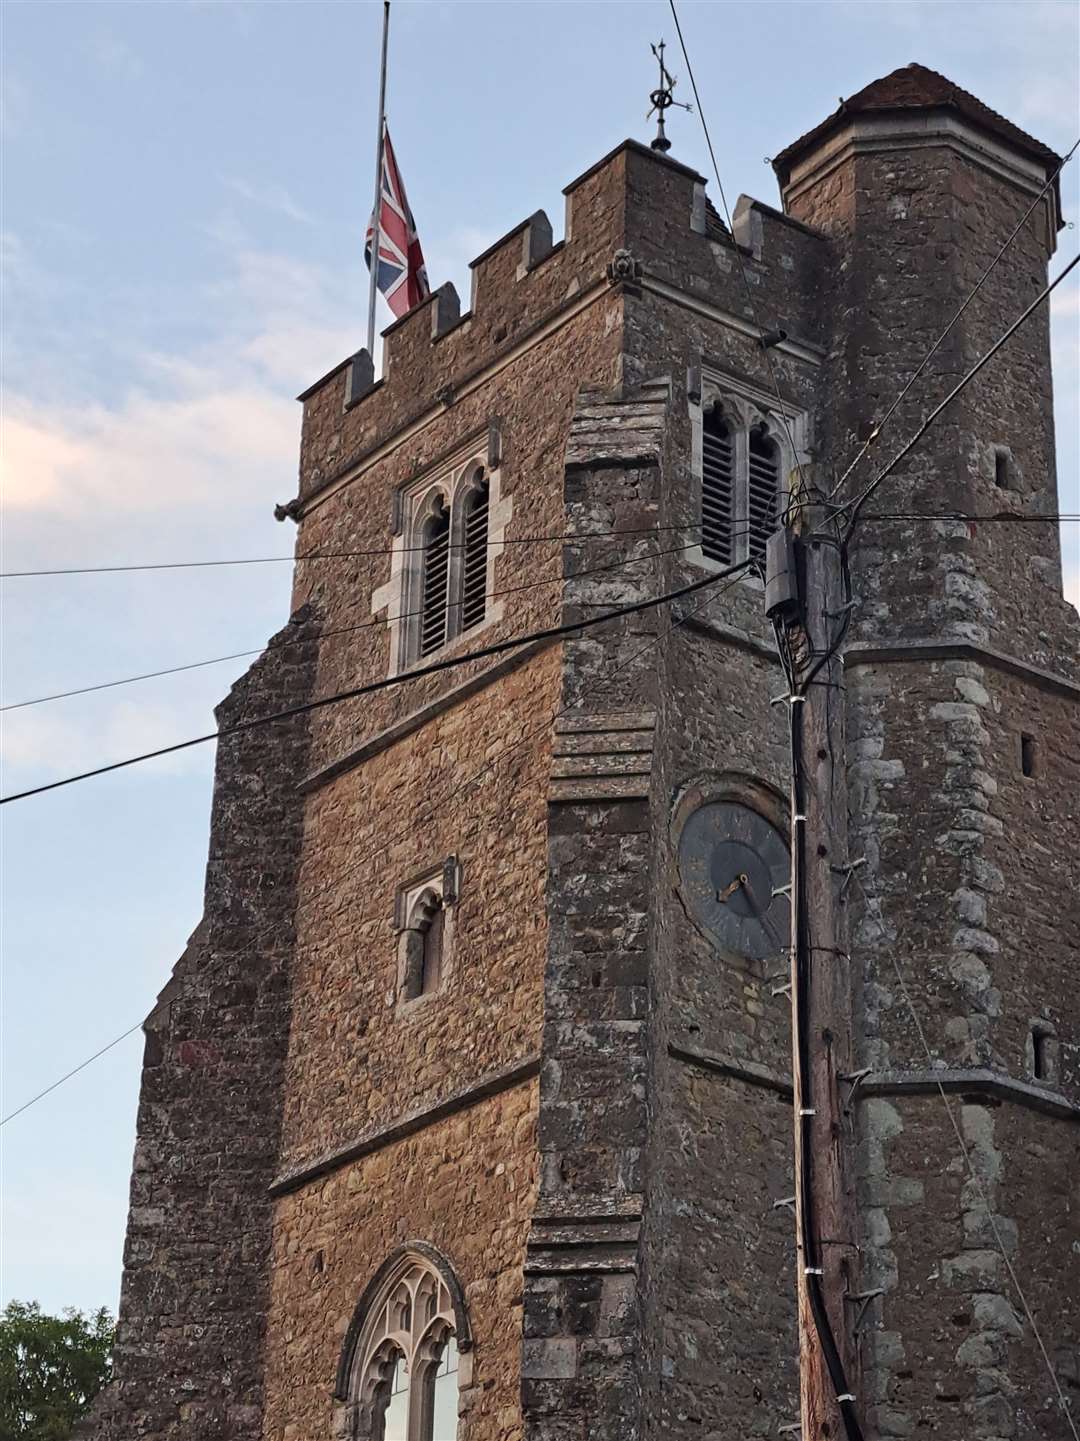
x=715, y=228
x=915, y=87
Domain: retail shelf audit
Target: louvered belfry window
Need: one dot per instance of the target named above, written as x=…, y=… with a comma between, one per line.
x=435, y=581
x=764, y=490
x=717, y=487
x=474, y=570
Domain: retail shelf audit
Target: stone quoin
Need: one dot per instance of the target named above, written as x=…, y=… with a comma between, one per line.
x=461, y=1114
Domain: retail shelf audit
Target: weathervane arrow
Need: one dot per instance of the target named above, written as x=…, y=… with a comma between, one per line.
x=662, y=99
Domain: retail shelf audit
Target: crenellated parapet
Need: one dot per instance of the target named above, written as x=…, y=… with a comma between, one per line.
x=633, y=216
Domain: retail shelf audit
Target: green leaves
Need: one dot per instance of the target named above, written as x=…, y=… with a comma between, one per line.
x=51, y=1368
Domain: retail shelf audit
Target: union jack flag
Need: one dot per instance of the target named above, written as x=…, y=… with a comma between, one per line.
x=402, y=277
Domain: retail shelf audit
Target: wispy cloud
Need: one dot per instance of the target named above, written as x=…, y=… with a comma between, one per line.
x=268, y=197
x=209, y=426
x=116, y=55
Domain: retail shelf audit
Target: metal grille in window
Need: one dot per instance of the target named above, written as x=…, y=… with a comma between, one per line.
x=435, y=580
x=717, y=487
x=474, y=583
x=764, y=493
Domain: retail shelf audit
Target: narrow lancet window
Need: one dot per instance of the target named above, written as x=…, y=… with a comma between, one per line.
x=436, y=574
x=474, y=571
x=717, y=487
x=764, y=491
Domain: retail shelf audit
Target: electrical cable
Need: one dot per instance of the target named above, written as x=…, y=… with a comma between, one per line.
x=934, y=1066
x=454, y=791
x=534, y=540
x=416, y=673
x=960, y=516
x=856, y=504
x=801, y=980
x=335, y=554
x=738, y=250
x=880, y=426
x=337, y=630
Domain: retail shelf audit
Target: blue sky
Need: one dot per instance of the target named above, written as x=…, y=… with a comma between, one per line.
x=185, y=189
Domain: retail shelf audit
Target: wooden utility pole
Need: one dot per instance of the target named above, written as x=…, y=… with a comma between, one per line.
x=825, y=1212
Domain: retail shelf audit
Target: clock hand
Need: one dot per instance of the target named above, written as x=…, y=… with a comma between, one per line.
x=740, y=880
x=761, y=915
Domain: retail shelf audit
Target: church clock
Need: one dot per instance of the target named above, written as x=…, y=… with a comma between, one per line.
x=731, y=861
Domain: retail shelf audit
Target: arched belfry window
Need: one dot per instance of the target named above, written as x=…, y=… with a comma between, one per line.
x=745, y=451
x=717, y=486
x=406, y=1354
x=763, y=489
x=475, y=557
x=435, y=578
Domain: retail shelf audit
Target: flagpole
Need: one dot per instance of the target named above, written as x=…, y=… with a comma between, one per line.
x=377, y=213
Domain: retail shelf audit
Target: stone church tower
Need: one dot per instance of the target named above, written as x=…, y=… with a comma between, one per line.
x=467, y=1110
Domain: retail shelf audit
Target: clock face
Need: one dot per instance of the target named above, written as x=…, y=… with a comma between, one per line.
x=731, y=859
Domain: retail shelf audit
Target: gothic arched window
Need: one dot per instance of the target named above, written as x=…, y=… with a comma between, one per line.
x=763, y=497
x=401, y=1367
x=435, y=578
x=717, y=486
x=475, y=554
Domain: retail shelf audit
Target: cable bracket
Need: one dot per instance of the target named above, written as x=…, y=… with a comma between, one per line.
x=862, y=1299
x=847, y=872
x=784, y=990
x=781, y=890
x=853, y=1078
x=788, y=1201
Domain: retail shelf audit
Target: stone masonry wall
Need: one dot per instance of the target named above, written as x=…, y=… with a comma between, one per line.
x=465, y=1185
x=189, y=1351
x=582, y=1337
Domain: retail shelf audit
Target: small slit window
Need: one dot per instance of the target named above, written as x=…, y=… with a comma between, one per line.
x=1043, y=1054
x=436, y=578
x=717, y=487
x=764, y=490
x=424, y=911
x=1028, y=757
x=423, y=944
x=1002, y=469
x=474, y=569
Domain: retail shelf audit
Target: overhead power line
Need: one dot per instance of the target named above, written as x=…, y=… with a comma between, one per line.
x=338, y=630
x=453, y=792
x=448, y=663
x=313, y=556
x=738, y=253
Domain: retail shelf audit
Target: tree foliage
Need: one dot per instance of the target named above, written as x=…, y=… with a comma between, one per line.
x=51, y=1368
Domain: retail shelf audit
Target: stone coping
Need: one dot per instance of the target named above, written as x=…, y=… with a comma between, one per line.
x=428, y=1113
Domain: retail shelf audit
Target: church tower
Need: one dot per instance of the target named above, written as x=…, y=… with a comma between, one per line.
x=466, y=1114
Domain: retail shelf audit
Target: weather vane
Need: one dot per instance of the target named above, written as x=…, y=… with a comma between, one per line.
x=662, y=100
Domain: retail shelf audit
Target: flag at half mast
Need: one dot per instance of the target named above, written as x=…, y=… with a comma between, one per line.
x=402, y=277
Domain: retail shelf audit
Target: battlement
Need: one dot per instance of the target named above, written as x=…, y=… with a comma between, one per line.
x=634, y=204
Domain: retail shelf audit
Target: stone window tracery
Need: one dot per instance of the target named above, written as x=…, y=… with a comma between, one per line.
x=743, y=461
x=450, y=530
x=407, y=1354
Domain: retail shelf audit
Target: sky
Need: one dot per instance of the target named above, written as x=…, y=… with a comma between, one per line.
x=185, y=188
